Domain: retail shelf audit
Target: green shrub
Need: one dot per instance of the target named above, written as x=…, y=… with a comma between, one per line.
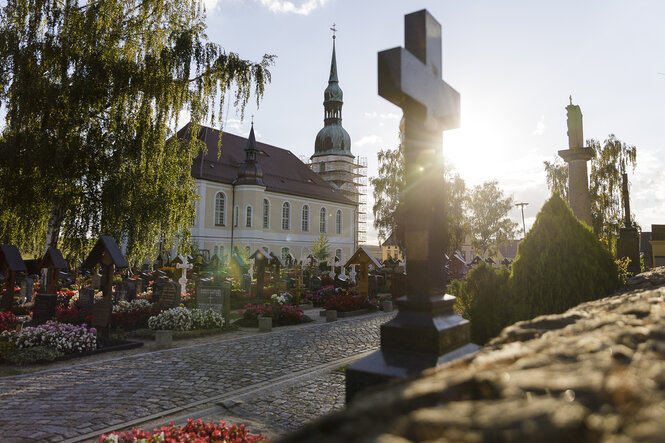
x=559, y=264
x=483, y=299
x=33, y=355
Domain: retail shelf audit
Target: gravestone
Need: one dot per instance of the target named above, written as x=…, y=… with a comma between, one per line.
x=10, y=263
x=363, y=259
x=86, y=298
x=577, y=157
x=169, y=296
x=101, y=317
x=44, y=309
x=216, y=298
x=125, y=291
x=138, y=284
x=426, y=332
x=315, y=283
x=27, y=290
x=628, y=243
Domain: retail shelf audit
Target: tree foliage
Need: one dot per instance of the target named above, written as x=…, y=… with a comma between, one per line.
x=320, y=249
x=490, y=225
x=92, y=92
x=388, y=186
x=611, y=159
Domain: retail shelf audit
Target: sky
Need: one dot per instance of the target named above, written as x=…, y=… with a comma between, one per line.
x=515, y=63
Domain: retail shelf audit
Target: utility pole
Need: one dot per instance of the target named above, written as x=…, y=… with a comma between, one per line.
x=522, y=205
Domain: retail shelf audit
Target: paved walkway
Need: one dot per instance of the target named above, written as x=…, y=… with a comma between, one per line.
x=286, y=365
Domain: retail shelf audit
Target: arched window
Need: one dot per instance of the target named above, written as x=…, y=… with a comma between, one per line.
x=220, y=208
x=285, y=252
x=338, y=222
x=322, y=221
x=286, y=216
x=266, y=213
x=305, y=218
x=248, y=217
x=236, y=210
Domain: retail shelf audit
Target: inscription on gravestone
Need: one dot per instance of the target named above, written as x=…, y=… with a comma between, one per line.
x=211, y=297
x=86, y=298
x=169, y=297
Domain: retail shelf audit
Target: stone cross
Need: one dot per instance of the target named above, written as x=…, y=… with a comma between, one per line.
x=410, y=77
x=426, y=331
x=182, y=281
x=577, y=157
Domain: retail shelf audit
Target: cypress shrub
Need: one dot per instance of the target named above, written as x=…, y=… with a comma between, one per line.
x=559, y=264
x=483, y=300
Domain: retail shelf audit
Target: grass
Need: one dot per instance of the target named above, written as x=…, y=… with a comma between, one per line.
x=341, y=369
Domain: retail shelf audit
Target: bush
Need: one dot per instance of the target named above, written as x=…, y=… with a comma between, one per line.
x=560, y=264
x=183, y=319
x=193, y=431
x=484, y=300
x=33, y=355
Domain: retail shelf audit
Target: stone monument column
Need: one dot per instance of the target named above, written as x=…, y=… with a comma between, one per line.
x=628, y=243
x=577, y=157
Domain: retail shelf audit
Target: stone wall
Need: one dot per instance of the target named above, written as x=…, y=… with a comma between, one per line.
x=593, y=373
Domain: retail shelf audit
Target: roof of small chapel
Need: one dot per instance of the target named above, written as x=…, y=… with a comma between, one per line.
x=283, y=172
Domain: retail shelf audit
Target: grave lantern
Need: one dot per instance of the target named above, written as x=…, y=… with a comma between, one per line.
x=53, y=262
x=108, y=255
x=363, y=258
x=10, y=263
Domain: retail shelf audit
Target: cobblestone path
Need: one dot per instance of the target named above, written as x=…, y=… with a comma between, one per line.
x=69, y=402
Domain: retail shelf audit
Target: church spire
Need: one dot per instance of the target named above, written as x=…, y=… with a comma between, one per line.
x=250, y=172
x=333, y=139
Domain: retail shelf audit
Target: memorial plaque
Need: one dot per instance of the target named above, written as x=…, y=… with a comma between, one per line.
x=44, y=309
x=86, y=298
x=101, y=315
x=211, y=297
x=169, y=296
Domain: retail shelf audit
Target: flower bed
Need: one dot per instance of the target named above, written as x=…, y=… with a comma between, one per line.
x=321, y=296
x=62, y=337
x=349, y=303
x=183, y=319
x=281, y=315
x=193, y=431
x=132, y=315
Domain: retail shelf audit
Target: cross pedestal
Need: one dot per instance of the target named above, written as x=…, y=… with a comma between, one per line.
x=426, y=332
x=577, y=157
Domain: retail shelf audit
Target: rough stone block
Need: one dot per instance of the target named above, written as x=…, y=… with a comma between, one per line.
x=265, y=324
x=163, y=339
x=331, y=315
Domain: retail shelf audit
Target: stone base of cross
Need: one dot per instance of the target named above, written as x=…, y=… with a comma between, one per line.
x=426, y=332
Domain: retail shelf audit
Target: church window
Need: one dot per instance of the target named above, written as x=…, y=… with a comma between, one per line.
x=220, y=208
x=305, y=218
x=322, y=221
x=286, y=216
x=266, y=213
x=236, y=210
x=248, y=217
x=285, y=252
x=338, y=222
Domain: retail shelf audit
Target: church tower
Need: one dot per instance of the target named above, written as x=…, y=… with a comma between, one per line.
x=332, y=158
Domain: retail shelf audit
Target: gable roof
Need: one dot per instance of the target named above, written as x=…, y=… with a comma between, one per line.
x=283, y=172
x=390, y=241
x=10, y=255
x=360, y=252
x=105, y=243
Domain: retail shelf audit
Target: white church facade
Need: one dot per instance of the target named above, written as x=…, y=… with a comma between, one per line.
x=260, y=196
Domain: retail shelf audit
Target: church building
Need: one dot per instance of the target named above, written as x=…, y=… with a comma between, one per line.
x=260, y=196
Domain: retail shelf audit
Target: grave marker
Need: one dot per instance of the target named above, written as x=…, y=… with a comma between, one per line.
x=10, y=263
x=426, y=332
x=44, y=309
x=216, y=298
x=169, y=296
x=183, y=265
x=52, y=263
x=27, y=290
x=86, y=298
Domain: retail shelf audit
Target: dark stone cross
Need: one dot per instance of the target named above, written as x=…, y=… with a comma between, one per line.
x=426, y=332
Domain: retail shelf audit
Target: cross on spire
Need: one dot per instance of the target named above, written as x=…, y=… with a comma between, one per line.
x=334, y=30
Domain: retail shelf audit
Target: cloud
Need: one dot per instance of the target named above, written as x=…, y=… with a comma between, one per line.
x=287, y=7
x=540, y=126
x=369, y=140
x=385, y=116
